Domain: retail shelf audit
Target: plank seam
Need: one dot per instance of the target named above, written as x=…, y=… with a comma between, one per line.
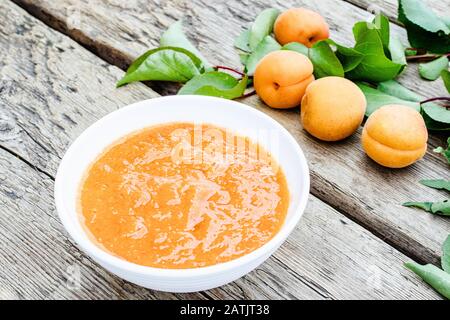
x=206, y=295
x=355, y=4
x=420, y=258
x=35, y=168
x=307, y=282
x=106, y=53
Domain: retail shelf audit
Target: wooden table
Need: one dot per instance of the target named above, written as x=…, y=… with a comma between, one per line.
x=59, y=61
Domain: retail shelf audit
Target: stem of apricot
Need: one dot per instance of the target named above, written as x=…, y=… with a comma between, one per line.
x=230, y=69
x=246, y=95
x=426, y=57
x=418, y=50
x=435, y=99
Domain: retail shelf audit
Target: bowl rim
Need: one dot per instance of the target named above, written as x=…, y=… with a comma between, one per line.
x=102, y=256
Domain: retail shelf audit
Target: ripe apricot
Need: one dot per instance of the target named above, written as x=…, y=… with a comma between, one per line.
x=281, y=78
x=395, y=136
x=332, y=108
x=300, y=25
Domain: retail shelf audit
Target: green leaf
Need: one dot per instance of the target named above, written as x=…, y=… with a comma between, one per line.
x=425, y=29
x=382, y=26
x=397, y=50
x=435, y=277
x=375, y=66
x=445, y=74
x=441, y=208
x=322, y=57
x=410, y=52
x=445, y=260
x=432, y=70
x=376, y=99
x=243, y=57
x=241, y=41
x=215, y=83
x=434, y=125
x=395, y=89
x=325, y=61
x=298, y=47
x=262, y=27
x=175, y=37
x=267, y=45
x=391, y=44
x=444, y=152
x=349, y=57
x=421, y=205
x=418, y=13
x=446, y=21
x=163, y=64
x=439, y=184
x=436, y=117
x=436, y=112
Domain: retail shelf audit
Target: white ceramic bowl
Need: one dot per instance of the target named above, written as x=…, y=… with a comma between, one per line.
x=198, y=109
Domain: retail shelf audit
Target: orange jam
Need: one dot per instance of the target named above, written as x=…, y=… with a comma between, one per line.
x=181, y=195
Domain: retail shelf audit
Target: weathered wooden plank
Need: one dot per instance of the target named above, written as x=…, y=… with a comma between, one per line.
x=315, y=252
x=119, y=31
x=389, y=7
x=341, y=174
x=68, y=85
x=38, y=259
x=327, y=257
x=36, y=255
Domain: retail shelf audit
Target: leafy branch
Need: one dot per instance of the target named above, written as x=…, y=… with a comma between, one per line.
x=438, y=278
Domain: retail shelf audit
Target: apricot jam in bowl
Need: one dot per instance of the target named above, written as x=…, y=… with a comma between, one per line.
x=182, y=193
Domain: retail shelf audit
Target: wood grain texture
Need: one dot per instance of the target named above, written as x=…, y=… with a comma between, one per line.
x=51, y=89
x=390, y=7
x=119, y=31
x=342, y=175
x=326, y=257
x=38, y=259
